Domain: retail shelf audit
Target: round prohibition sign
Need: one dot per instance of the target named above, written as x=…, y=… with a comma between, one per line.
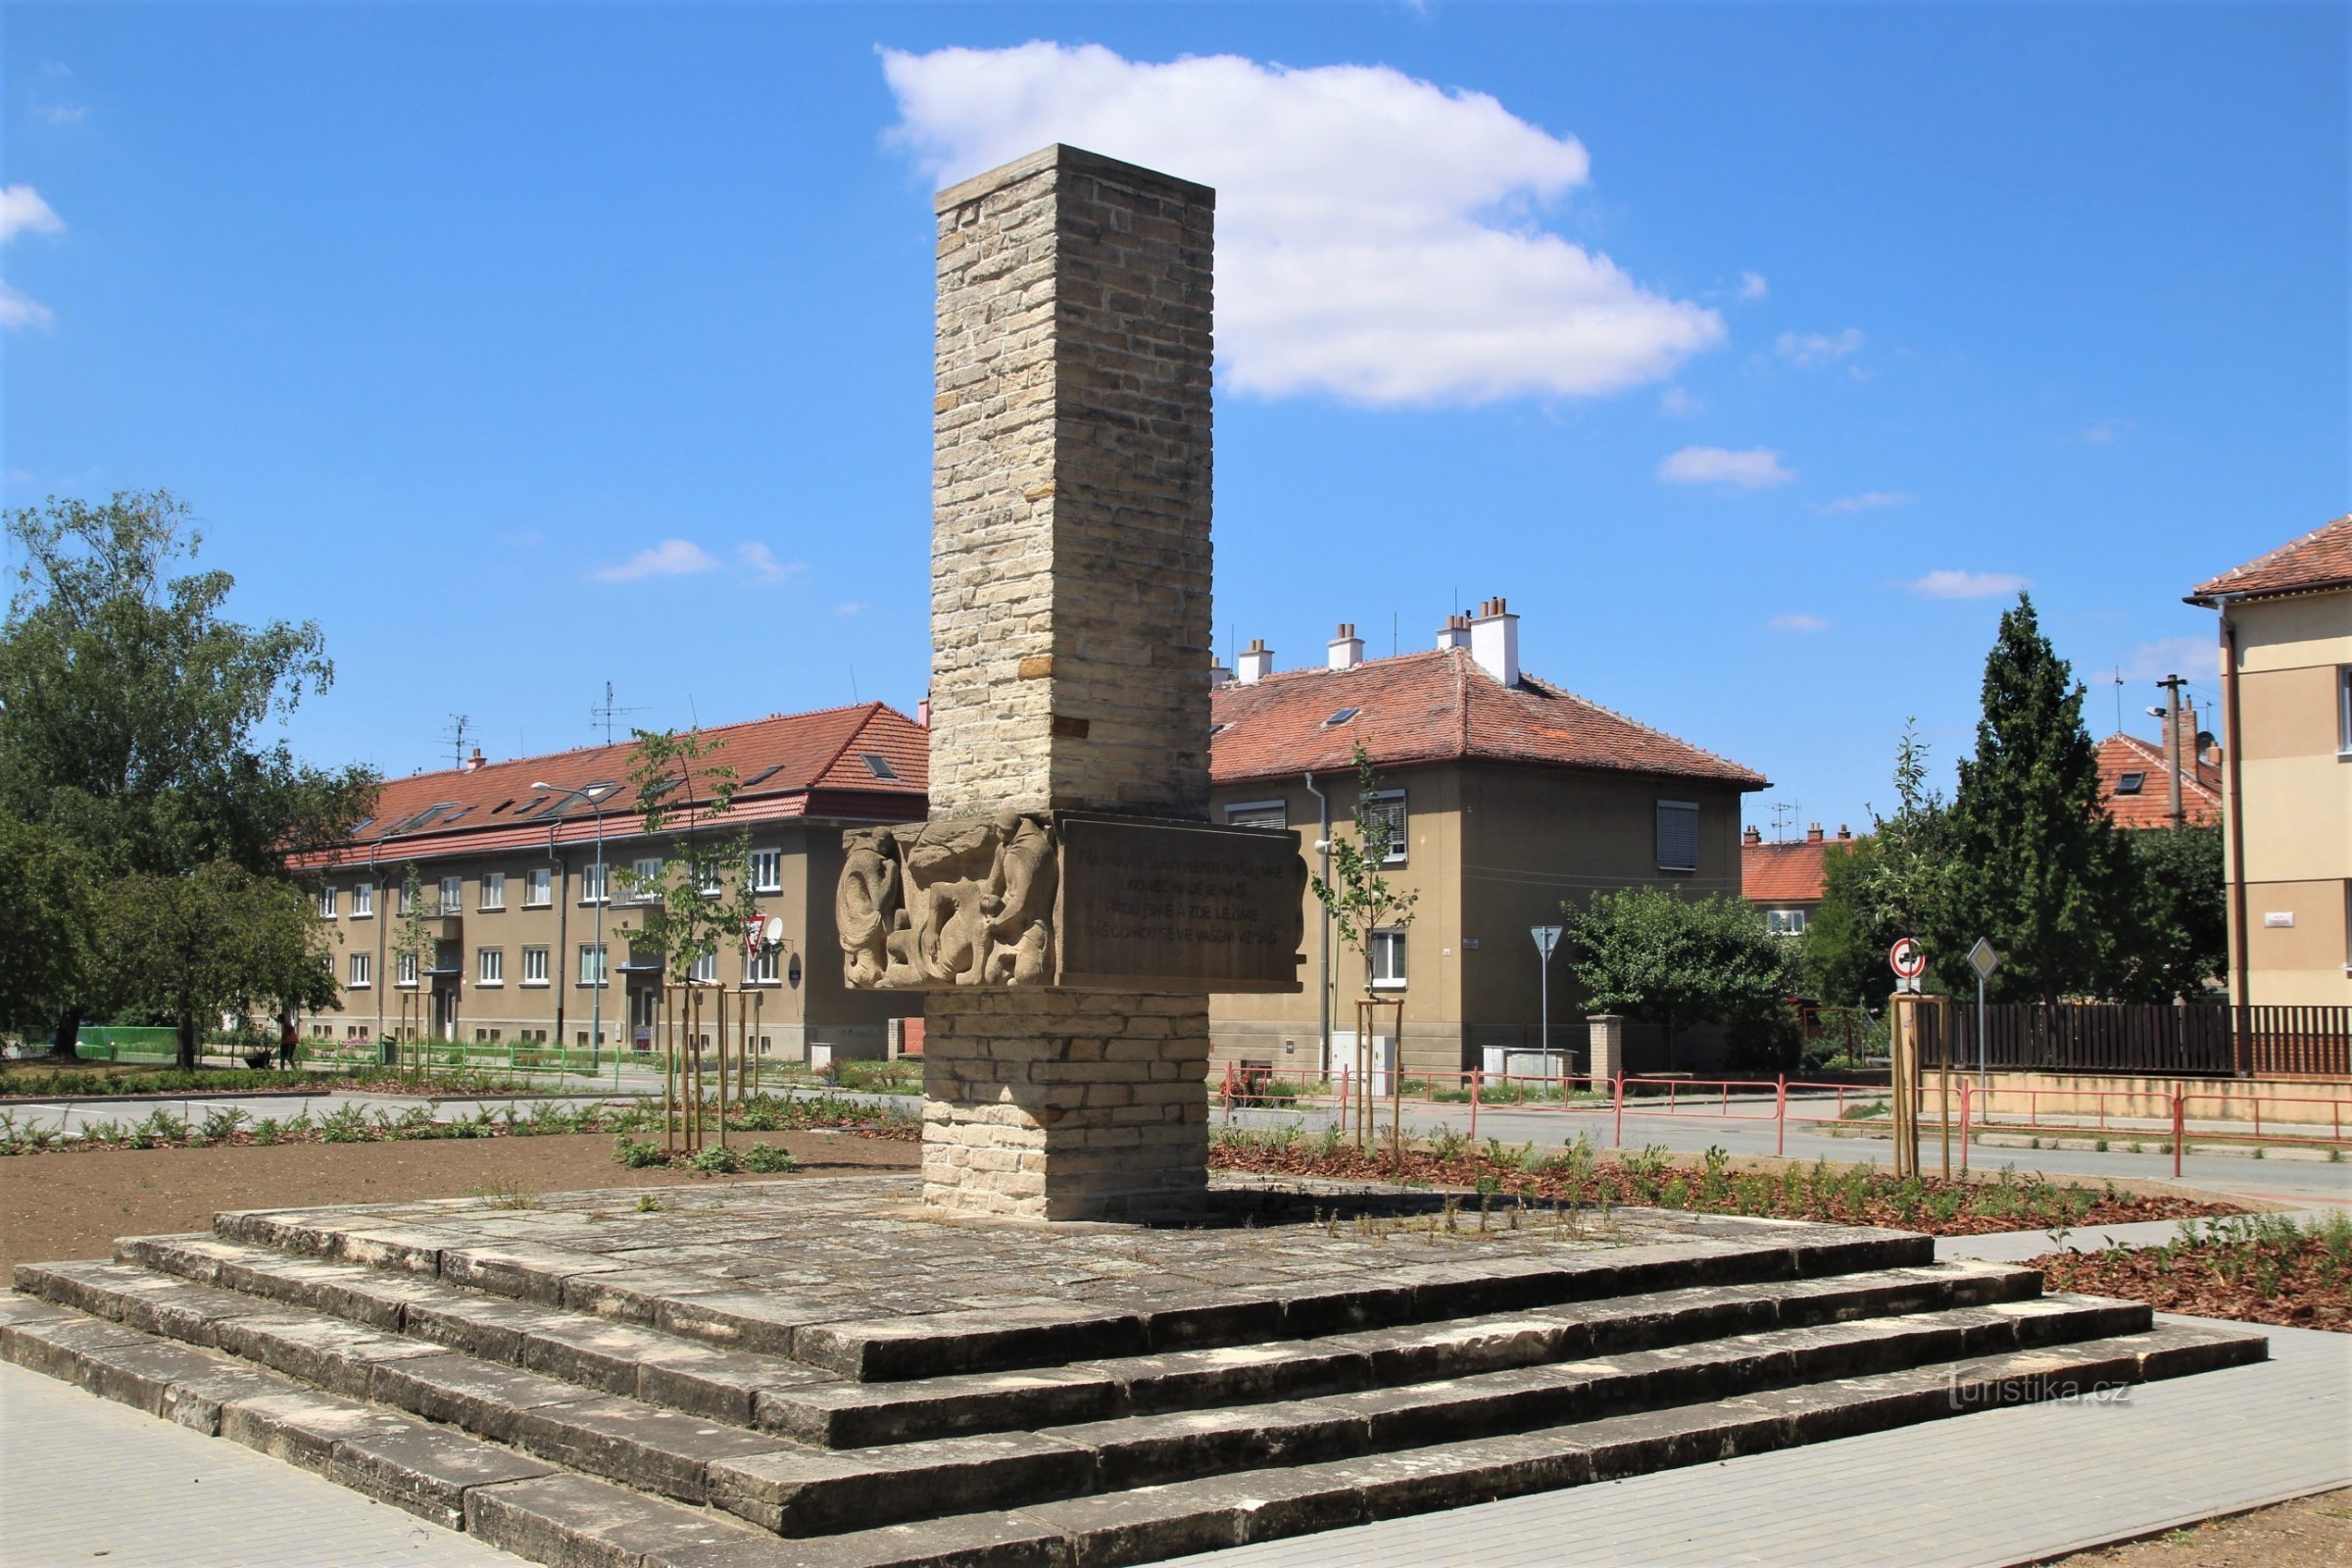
x=1906, y=960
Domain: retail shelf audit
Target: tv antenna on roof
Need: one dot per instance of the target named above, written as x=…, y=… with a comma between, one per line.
x=1784, y=818
x=460, y=726
x=606, y=711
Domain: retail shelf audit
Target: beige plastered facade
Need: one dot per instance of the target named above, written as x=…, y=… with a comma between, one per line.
x=1491, y=850
x=2289, y=798
x=452, y=1001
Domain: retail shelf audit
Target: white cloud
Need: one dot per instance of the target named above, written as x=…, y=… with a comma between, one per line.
x=2193, y=657
x=1797, y=622
x=61, y=113
x=2104, y=434
x=22, y=210
x=1678, y=402
x=763, y=564
x=850, y=608
x=1949, y=584
x=1752, y=286
x=1751, y=470
x=1378, y=237
x=671, y=557
x=1869, y=501
x=1809, y=351
x=21, y=310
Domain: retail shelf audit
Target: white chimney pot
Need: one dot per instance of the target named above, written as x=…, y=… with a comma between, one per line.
x=1494, y=641
x=1346, y=649
x=1254, y=663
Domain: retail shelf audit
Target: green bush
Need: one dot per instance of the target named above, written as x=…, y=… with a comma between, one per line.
x=716, y=1159
x=640, y=1154
x=769, y=1159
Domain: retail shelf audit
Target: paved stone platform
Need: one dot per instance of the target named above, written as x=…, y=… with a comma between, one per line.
x=814, y=1372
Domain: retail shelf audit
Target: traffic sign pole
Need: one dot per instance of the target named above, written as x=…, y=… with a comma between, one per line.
x=1547, y=938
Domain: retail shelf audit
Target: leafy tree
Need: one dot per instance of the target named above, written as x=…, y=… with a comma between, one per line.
x=1652, y=955
x=2033, y=863
x=132, y=713
x=1882, y=887
x=2173, y=937
x=1360, y=898
x=46, y=920
x=691, y=915
x=216, y=939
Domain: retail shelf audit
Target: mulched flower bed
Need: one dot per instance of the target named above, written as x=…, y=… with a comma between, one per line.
x=2256, y=1269
x=1848, y=1194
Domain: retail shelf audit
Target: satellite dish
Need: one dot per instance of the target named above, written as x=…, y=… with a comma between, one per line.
x=774, y=932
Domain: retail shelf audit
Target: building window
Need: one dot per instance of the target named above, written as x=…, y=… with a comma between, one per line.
x=1785, y=922
x=1678, y=835
x=1388, y=808
x=760, y=968
x=2129, y=783
x=327, y=904
x=453, y=895
x=592, y=964
x=538, y=888
x=647, y=882
x=767, y=871
x=362, y=901
x=494, y=890
x=489, y=966
x=360, y=973
x=1388, y=961
x=594, y=883
x=2343, y=711
x=404, y=970
x=711, y=883
x=408, y=898
x=705, y=971
x=534, y=966
x=1258, y=813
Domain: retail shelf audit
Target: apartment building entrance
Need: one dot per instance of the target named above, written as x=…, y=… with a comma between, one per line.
x=645, y=1007
x=445, y=1010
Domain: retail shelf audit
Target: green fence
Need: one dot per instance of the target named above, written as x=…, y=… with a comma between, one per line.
x=126, y=1043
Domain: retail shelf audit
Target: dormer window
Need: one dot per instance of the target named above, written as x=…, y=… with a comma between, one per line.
x=878, y=766
x=2129, y=783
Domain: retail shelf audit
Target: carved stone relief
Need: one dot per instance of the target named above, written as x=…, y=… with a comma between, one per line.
x=954, y=902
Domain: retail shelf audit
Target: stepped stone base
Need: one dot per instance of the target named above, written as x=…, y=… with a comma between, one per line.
x=812, y=1374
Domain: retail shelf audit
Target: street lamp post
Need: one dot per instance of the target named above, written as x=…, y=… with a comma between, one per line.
x=594, y=796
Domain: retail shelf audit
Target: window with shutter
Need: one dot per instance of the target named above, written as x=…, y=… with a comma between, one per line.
x=1258, y=813
x=1678, y=835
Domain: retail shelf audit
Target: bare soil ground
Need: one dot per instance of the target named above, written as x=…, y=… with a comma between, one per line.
x=2292, y=1287
x=52, y=1209
x=2313, y=1532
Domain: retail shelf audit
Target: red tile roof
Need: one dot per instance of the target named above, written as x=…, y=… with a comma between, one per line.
x=2321, y=558
x=1784, y=874
x=788, y=765
x=2151, y=805
x=1436, y=707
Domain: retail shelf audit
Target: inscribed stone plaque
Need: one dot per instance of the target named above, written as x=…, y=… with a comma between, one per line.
x=1148, y=903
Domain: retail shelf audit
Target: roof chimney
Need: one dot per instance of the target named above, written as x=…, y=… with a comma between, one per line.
x=1813, y=833
x=1494, y=641
x=1845, y=835
x=1753, y=835
x=1257, y=662
x=473, y=763
x=1346, y=649
x=922, y=713
x=1455, y=633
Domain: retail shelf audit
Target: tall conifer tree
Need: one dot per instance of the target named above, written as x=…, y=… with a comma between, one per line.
x=2034, y=866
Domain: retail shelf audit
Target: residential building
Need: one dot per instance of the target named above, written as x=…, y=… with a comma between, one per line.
x=2286, y=768
x=2135, y=778
x=514, y=876
x=1785, y=879
x=1510, y=798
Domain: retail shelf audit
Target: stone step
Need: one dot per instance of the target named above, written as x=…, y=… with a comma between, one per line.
x=788, y=1487
x=551, y=1516
x=877, y=1346
x=779, y=1394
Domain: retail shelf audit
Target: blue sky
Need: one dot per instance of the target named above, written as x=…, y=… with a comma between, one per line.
x=1751, y=352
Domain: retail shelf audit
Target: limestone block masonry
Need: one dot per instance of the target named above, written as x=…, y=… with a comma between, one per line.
x=1070, y=630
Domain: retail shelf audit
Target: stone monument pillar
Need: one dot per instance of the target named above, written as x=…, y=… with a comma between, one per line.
x=1067, y=905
